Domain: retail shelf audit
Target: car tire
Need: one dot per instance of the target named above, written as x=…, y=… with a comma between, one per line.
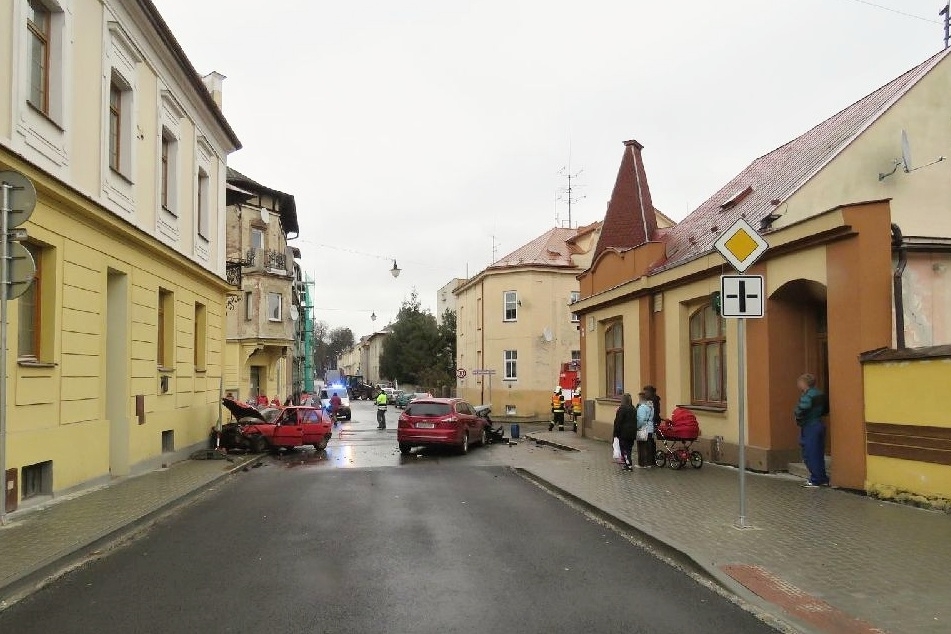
x=405, y=448
x=258, y=444
x=464, y=447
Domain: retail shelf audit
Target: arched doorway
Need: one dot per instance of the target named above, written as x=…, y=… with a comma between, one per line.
x=799, y=343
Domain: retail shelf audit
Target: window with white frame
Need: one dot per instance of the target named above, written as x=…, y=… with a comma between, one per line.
x=274, y=304
x=575, y=296
x=257, y=238
x=511, y=365
x=203, y=185
x=510, y=302
x=168, y=172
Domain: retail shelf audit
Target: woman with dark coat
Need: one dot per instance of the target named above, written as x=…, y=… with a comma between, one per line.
x=625, y=429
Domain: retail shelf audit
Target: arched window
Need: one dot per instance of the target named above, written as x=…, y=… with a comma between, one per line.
x=707, y=353
x=614, y=360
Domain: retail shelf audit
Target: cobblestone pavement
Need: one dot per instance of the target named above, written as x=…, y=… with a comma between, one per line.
x=883, y=563
x=36, y=538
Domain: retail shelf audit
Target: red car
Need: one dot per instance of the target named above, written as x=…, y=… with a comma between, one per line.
x=293, y=427
x=439, y=422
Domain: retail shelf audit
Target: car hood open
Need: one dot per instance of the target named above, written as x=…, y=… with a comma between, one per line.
x=242, y=410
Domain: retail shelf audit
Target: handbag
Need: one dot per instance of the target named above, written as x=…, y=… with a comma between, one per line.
x=642, y=434
x=617, y=450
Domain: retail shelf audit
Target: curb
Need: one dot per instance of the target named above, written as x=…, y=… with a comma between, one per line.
x=27, y=583
x=672, y=552
x=551, y=443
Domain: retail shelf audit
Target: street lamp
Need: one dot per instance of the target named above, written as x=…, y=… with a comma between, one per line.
x=395, y=271
x=373, y=316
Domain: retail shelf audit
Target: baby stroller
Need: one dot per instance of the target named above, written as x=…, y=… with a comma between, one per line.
x=677, y=436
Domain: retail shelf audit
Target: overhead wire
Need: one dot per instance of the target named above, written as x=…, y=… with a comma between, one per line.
x=897, y=11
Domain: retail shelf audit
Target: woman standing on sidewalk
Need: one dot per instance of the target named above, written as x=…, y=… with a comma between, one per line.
x=625, y=429
x=645, y=427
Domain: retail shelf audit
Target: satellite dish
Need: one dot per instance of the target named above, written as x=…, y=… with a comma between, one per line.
x=265, y=216
x=294, y=313
x=547, y=335
x=905, y=152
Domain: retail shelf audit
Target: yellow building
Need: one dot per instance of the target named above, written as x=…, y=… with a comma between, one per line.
x=858, y=252
x=261, y=330
x=116, y=350
x=513, y=318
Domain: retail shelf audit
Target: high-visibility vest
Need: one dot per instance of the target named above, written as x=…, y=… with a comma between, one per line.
x=381, y=401
x=576, y=404
x=557, y=403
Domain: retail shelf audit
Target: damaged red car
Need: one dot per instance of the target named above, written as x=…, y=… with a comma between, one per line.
x=292, y=427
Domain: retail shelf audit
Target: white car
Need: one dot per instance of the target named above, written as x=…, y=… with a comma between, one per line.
x=344, y=412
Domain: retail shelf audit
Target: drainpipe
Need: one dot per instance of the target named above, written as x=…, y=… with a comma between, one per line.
x=480, y=318
x=898, y=244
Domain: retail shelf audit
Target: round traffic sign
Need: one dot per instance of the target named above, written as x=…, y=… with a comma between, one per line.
x=22, y=197
x=22, y=270
x=461, y=373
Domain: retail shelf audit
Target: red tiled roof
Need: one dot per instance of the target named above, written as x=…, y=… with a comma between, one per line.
x=629, y=220
x=553, y=248
x=775, y=176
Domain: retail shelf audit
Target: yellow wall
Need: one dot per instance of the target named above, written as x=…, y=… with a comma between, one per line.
x=912, y=393
x=544, y=294
x=58, y=410
x=919, y=200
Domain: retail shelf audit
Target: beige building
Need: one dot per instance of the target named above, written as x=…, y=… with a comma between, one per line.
x=116, y=350
x=513, y=318
x=261, y=332
x=446, y=299
x=364, y=357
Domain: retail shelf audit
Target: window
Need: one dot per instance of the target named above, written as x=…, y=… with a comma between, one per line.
x=120, y=126
x=575, y=296
x=614, y=360
x=168, y=188
x=257, y=238
x=203, y=183
x=201, y=335
x=164, y=325
x=511, y=306
x=168, y=441
x=576, y=356
x=39, y=26
x=707, y=352
x=248, y=308
x=274, y=301
x=511, y=365
x=37, y=479
x=30, y=323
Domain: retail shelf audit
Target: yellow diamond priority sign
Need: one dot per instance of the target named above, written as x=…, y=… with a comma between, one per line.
x=741, y=245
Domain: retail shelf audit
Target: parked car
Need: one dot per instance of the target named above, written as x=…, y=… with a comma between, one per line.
x=291, y=427
x=344, y=412
x=439, y=422
x=390, y=394
x=408, y=397
x=401, y=399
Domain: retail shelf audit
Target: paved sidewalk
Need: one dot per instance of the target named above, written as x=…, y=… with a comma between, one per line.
x=834, y=561
x=39, y=542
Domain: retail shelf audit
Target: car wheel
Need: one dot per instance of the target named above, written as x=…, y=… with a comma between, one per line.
x=405, y=448
x=464, y=447
x=258, y=444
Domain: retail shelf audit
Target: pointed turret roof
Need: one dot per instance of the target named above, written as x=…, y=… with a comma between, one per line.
x=630, y=220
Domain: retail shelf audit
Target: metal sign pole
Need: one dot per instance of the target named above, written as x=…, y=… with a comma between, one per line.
x=4, y=288
x=741, y=410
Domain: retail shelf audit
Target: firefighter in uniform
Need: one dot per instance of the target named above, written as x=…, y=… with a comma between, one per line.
x=576, y=408
x=557, y=410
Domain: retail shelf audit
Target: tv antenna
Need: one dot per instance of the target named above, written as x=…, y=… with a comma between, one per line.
x=946, y=18
x=495, y=249
x=905, y=161
x=569, y=194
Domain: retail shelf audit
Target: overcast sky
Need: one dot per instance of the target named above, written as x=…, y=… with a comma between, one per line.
x=419, y=129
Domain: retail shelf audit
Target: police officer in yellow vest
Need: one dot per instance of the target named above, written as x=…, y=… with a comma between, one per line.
x=557, y=410
x=381, y=402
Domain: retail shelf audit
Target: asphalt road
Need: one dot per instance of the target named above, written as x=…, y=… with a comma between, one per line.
x=433, y=543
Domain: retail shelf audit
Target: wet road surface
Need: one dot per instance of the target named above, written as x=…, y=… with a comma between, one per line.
x=360, y=539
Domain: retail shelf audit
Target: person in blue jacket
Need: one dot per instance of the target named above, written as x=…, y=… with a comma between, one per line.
x=813, y=405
